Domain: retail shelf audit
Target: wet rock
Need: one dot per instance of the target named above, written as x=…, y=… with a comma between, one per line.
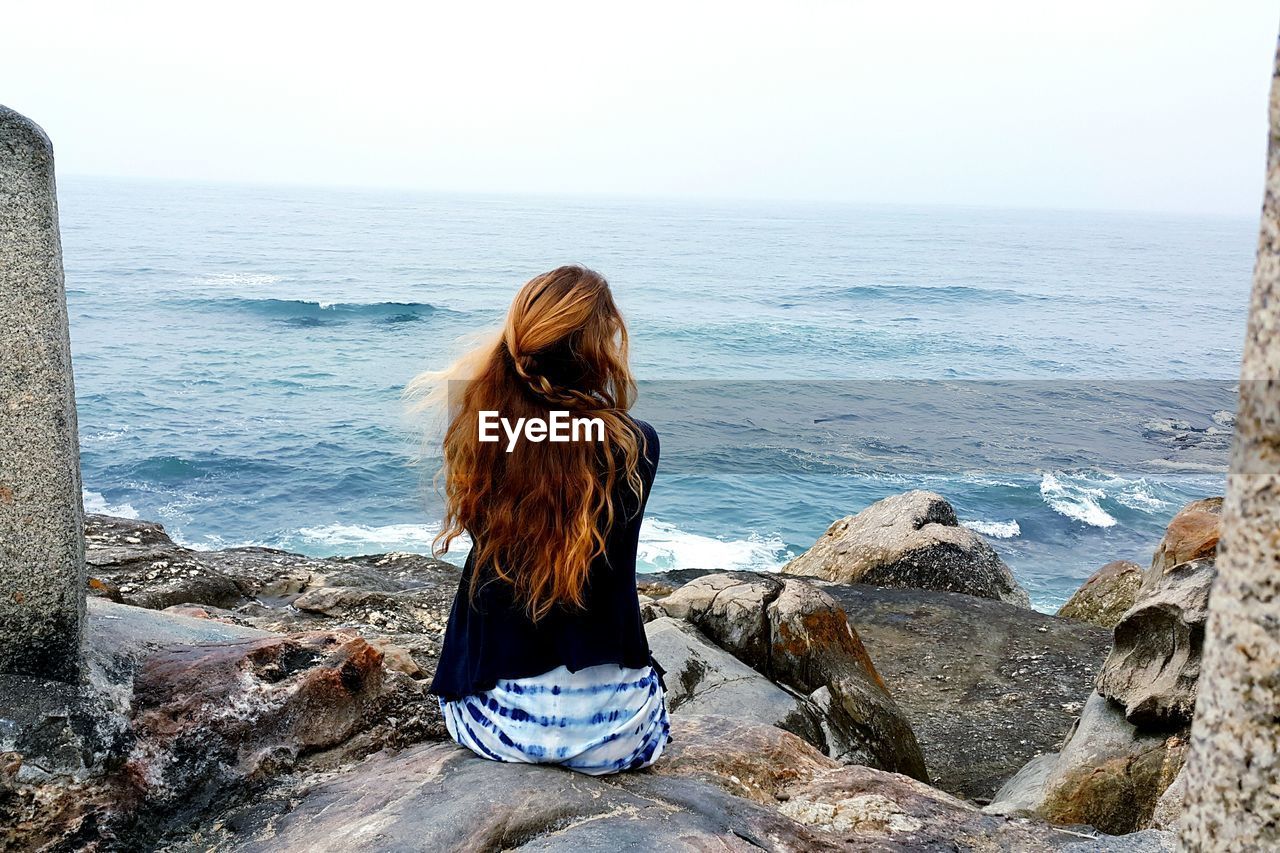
x=1154, y=665
x=1106, y=595
x=800, y=638
x=910, y=540
x=1192, y=534
x=986, y=685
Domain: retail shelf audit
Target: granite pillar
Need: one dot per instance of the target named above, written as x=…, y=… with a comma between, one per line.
x=42, y=572
x=1233, y=772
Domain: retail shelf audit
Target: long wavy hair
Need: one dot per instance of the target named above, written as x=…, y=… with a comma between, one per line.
x=538, y=515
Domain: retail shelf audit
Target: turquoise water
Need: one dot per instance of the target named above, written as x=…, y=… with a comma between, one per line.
x=240, y=352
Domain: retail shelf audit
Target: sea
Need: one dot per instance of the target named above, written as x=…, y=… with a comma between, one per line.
x=1065, y=378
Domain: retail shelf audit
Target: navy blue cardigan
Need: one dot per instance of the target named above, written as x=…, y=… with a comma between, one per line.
x=491, y=637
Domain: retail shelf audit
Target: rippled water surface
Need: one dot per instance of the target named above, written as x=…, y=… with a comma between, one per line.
x=240, y=353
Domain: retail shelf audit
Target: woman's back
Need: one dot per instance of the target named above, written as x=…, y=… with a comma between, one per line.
x=491, y=636
x=545, y=657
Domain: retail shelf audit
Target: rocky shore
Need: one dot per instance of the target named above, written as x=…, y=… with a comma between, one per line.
x=890, y=690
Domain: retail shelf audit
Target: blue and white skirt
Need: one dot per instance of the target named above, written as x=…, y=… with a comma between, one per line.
x=602, y=719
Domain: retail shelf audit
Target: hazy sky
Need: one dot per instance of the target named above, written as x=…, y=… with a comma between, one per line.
x=1111, y=104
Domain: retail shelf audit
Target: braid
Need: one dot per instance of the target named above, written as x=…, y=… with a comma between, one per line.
x=542, y=386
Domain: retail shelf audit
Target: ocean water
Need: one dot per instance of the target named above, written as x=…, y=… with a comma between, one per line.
x=1064, y=378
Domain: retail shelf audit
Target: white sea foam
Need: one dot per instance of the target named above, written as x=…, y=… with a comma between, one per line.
x=96, y=503
x=995, y=529
x=249, y=279
x=369, y=539
x=663, y=547
x=1075, y=500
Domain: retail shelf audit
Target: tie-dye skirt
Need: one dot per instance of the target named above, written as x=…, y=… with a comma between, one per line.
x=602, y=719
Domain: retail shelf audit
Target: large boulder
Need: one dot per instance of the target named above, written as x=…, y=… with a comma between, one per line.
x=1109, y=775
x=178, y=714
x=702, y=678
x=910, y=540
x=723, y=786
x=1106, y=595
x=800, y=638
x=1192, y=534
x=442, y=797
x=1154, y=665
x=1116, y=766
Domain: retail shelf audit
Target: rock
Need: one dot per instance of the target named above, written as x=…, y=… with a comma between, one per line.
x=179, y=714
x=1023, y=793
x=1109, y=773
x=799, y=637
x=441, y=797
x=1106, y=595
x=1192, y=534
x=402, y=597
x=42, y=571
x=1131, y=739
x=1170, y=805
x=703, y=679
x=745, y=758
x=910, y=540
x=986, y=685
x=1154, y=665
x=397, y=659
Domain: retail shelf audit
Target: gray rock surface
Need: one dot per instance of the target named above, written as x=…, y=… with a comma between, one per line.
x=41, y=546
x=910, y=540
x=176, y=715
x=986, y=685
x=704, y=679
x=1131, y=740
x=1106, y=595
x=404, y=598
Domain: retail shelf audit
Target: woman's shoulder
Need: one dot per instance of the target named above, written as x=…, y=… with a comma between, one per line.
x=650, y=435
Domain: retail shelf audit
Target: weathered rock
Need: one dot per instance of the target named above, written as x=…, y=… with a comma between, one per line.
x=178, y=714
x=42, y=573
x=1192, y=534
x=404, y=598
x=1233, y=778
x=798, y=636
x=441, y=797
x=1106, y=595
x=1108, y=775
x=864, y=807
x=747, y=759
x=985, y=685
x=910, y=540
x=704, y=679
x=1170, y=805
x=1154, y=665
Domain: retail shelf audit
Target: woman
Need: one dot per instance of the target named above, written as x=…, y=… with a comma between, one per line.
x=545, y=658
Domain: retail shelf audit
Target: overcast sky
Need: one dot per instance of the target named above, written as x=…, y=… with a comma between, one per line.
x=1122, y=104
